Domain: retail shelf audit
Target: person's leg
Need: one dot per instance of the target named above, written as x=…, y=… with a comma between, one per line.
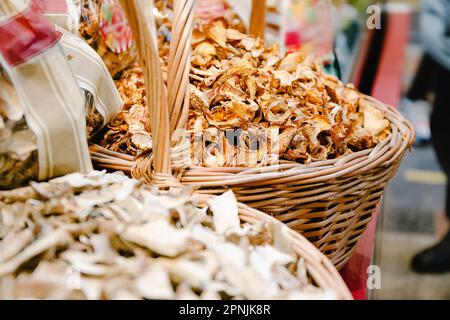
x=447, y=207
x=437, y=258
x=424, y=79
x=416, y=105
x=440, y=128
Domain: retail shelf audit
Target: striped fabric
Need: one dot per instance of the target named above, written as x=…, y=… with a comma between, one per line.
x=51, y=99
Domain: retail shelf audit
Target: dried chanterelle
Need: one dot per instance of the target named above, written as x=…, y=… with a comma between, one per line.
x=237, y=82
x=105, y=236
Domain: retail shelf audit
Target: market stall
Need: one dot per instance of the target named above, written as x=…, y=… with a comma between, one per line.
x=286, y=163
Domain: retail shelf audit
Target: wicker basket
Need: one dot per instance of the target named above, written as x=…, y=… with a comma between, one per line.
x=329, y=202
x=320, y=269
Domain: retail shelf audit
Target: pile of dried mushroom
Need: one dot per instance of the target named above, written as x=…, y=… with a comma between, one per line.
x=237, y=83
x=18, y=148
x=105, y=236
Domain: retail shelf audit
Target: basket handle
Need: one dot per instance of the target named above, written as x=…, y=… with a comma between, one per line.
x=179, y=68
x=169, y=107
x=142, y=23
x=180, y=63
x=258, y=18
x=180, y=54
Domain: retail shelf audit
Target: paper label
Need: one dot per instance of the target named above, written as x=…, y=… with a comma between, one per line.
x=26, y=35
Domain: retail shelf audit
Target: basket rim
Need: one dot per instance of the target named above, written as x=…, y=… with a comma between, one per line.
x=169, y=110
x=385, y=154
x=163, y=166
x=321, y=269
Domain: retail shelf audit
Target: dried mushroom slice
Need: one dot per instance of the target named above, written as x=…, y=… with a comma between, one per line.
x=18, y=148
x=375, y=121
x=225, y=212
x=238, y=83
x=105, y=236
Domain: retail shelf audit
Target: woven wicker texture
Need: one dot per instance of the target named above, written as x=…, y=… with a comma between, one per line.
x=329, y=202
x=321, y=269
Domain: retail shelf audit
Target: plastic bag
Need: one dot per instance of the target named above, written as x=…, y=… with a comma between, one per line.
x=102, y=99
x=42, y=116
x=101, y=96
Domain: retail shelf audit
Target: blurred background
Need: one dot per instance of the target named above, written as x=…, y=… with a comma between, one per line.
x=377, y=45
x=413, y=217
x=413, y=214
